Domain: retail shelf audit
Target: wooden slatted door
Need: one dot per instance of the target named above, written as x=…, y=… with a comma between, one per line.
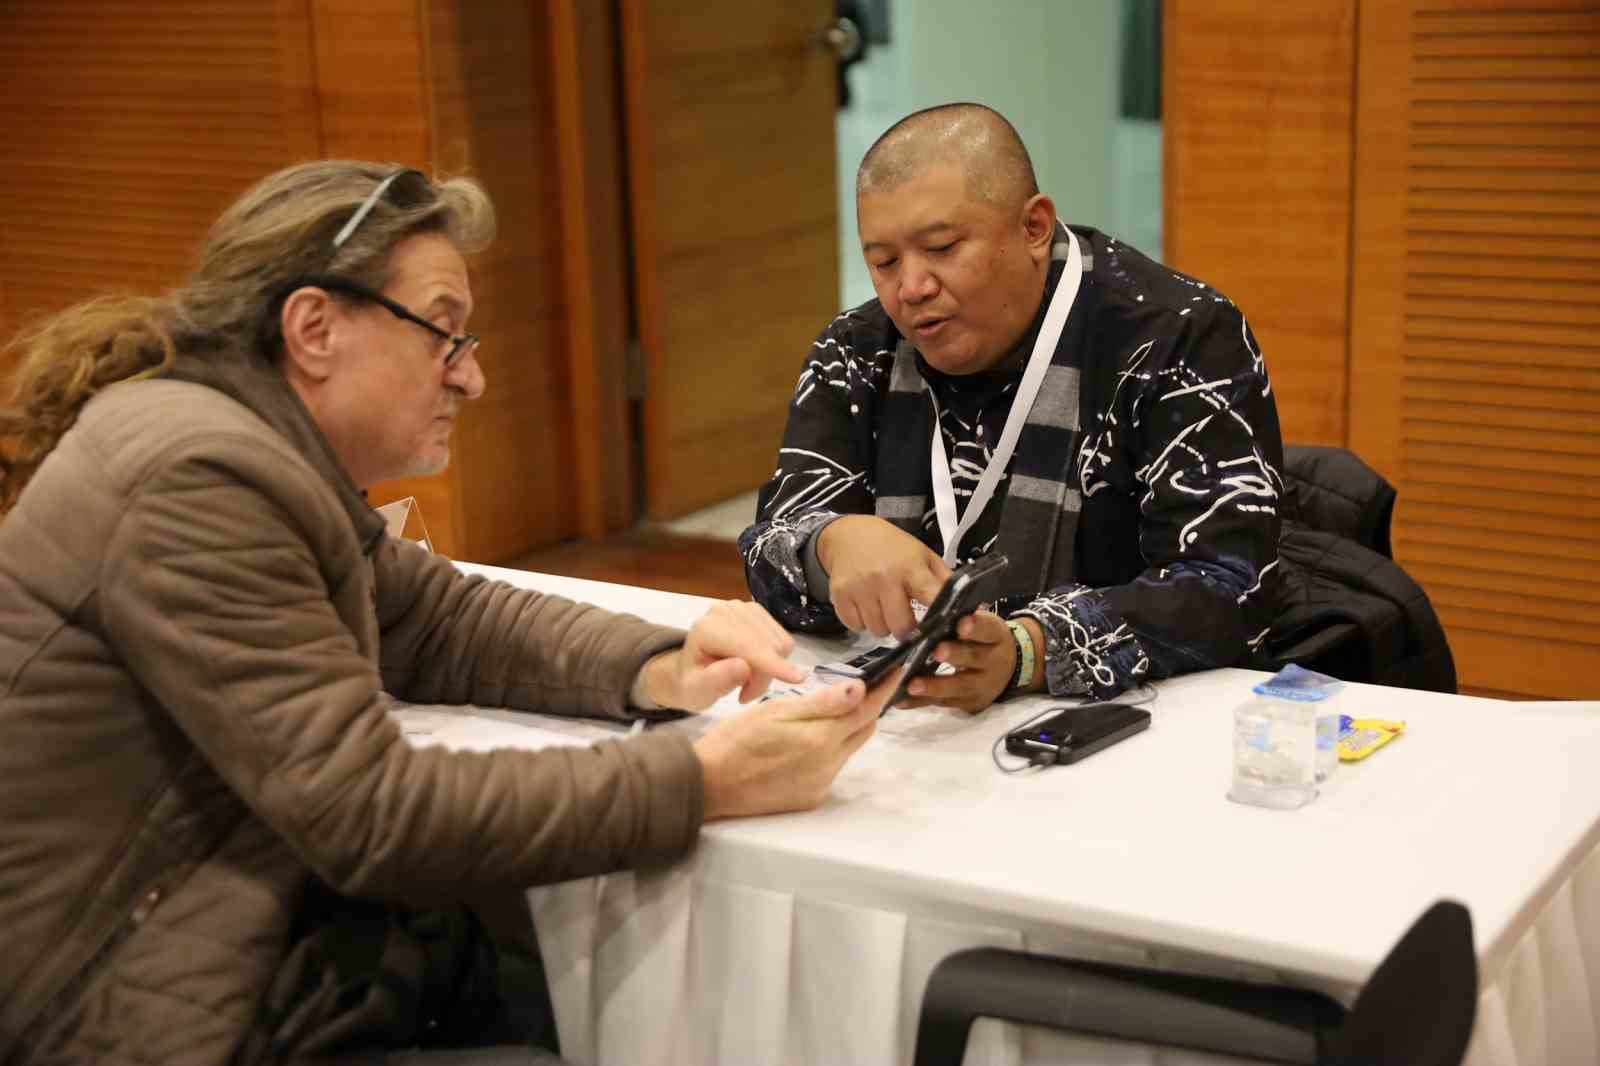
x=1475, y=322
x=730, y=110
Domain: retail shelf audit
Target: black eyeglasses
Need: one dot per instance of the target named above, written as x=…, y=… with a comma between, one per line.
x=460, y=343
x=418, y=192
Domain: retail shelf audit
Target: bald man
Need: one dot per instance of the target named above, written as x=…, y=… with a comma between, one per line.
x=1031, y=388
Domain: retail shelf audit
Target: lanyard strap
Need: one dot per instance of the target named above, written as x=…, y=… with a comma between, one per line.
x=944, y=493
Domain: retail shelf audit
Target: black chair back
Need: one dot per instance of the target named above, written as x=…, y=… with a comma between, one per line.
x=1418, y=1007
x=1201, y=1013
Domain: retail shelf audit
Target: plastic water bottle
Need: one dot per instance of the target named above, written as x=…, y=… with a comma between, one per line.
x=1285, y=739
x=1274, y=751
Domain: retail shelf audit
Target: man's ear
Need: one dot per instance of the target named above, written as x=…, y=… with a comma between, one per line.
x=1039, y=226
x=307, y=321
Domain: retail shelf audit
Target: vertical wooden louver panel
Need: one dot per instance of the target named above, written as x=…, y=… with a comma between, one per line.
x=128, y=126
x=1475, y=336
x=1257, y=183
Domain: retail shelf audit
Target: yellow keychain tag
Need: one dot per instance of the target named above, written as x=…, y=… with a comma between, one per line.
x=1360, y=737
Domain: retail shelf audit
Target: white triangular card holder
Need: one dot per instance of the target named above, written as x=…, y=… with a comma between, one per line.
x=404, y=518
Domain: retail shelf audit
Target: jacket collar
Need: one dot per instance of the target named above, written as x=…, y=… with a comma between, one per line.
x=259, y=385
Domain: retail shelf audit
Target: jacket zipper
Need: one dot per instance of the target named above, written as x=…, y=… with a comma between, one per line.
x=114, y=938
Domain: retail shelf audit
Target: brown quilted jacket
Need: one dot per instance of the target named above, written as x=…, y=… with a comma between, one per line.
x=200, y=618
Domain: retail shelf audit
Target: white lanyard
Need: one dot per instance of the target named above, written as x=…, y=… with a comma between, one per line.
x=944, y=493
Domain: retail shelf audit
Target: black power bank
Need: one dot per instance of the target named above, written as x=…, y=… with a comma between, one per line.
x=1077, y=732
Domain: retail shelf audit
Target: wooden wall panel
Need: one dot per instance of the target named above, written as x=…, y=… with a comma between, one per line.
x=374, y=104
x=371, y=85
x=1475, y=382
x=128, y=127
x=730, y=119
x=1258, y=101
x=491, y=101
x=586, y=95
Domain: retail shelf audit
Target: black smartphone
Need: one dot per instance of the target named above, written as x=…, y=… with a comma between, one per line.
x=960, y=595
x=1077, y=732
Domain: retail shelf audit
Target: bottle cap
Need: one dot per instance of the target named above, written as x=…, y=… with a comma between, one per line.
x=1295, y=682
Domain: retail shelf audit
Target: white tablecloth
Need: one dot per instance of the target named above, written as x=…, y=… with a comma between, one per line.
x=809, y=938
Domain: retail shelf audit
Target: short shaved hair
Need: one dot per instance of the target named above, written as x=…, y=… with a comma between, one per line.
x=975, y=138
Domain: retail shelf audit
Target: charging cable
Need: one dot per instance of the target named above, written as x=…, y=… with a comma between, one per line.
x=1038, y=762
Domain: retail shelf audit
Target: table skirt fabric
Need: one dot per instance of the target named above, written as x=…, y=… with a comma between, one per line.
x=1543, y=1006
x=666, y=967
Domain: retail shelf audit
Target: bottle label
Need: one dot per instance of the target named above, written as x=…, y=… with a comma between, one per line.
x=1296, y=683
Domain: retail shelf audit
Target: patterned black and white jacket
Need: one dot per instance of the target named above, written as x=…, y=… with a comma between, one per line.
x=1139, y=510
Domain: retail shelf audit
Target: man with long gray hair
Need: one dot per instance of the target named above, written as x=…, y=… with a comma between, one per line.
x=215, y=845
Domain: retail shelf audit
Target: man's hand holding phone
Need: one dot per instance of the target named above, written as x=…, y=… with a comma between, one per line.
x=782, y=755
x=984, y=655
x=953, y=630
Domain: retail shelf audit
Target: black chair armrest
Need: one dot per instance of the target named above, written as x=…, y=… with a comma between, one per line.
x=1204, y=1014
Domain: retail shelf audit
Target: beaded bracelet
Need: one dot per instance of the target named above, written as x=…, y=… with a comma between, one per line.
x=1022, y=676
